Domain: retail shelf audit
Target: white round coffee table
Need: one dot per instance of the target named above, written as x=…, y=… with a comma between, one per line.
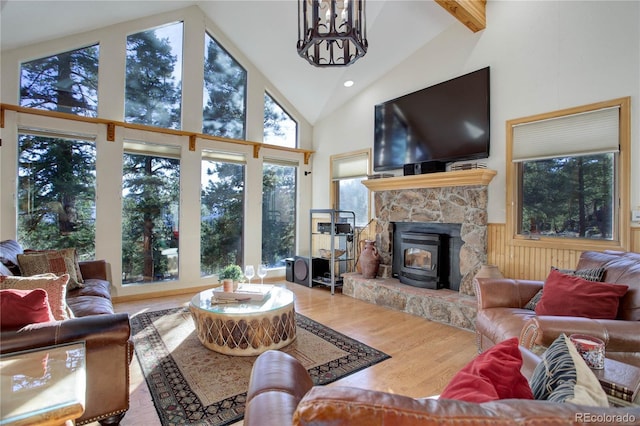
x=245, y=328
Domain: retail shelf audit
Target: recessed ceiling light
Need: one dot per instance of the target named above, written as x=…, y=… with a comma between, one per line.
x=348, y=83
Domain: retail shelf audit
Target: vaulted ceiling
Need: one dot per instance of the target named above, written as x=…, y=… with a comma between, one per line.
x=266, y=32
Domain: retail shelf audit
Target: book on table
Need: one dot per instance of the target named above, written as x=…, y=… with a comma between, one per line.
x=619, y=380
x=252, y=292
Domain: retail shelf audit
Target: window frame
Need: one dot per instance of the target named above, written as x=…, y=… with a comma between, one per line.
x=621, y=184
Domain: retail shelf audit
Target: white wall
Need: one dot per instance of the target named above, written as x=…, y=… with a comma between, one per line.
x=544, y=56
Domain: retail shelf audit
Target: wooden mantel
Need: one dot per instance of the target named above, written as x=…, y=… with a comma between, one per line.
x=432, y=180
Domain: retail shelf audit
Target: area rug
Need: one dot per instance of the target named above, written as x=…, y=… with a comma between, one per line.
x=192, y=385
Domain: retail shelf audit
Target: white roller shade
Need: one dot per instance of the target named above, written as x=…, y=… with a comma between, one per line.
x=592, y=132
x=350, y=166
x=227, y=157
x=144, y=148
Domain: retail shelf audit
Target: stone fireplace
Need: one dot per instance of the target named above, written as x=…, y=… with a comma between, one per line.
x=457, y=199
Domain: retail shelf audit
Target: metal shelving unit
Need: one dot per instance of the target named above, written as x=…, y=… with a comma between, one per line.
x=331, y=230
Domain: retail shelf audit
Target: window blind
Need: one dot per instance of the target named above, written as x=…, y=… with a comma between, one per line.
x=350, y=166
x=585, y=133
x=227, y=157
x=145, y=148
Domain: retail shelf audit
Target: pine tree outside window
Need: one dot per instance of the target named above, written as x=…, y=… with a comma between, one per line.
x=56, y=193
x=66, y=82
x=150, y=213
x=279, y=196
x=225, y=92
x=279, y=127
x=153, y=92
x=221, y=211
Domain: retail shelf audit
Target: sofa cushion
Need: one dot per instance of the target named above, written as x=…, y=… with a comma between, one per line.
x=92, y=287
x=567, y=295
x=55, y=286
x=84, y=306
x=589, y=274
x=563, y=376
x=492, y=375
x=34, y=262
x=21, y=307
x=9, y=251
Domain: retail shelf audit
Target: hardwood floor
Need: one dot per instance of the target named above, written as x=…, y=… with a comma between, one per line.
x=424, y=355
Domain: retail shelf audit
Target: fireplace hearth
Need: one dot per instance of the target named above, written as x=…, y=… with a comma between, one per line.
x=427, y=255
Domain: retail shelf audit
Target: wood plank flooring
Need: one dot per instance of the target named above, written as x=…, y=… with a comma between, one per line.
x=424, y=355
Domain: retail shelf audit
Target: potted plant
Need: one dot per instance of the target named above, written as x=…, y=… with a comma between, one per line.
x=230, y=276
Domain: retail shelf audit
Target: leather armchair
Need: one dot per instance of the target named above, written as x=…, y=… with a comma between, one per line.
x=281, y=393
x=501, y=313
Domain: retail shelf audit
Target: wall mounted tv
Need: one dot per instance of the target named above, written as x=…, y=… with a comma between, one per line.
x=446, y=122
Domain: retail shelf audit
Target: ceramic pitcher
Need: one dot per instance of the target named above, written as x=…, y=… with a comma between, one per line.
x=369, y=259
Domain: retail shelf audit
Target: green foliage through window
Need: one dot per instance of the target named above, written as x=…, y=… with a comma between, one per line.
x=222, y=215
x=56, y=194
x=569, y=197
x=66, y=82
x=150, y=218
x=278, y=214
x=224, y=96
x=153, y=77
x=279, y=128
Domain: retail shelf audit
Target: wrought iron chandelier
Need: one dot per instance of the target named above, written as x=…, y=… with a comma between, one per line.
x=331, y=32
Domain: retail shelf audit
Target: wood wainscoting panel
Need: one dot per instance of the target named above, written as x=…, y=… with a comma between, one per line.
x=532, y=263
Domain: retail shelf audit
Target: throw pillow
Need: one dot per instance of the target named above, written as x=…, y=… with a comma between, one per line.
x=563, y=376
x=494, y=374
x=21, y=307
x=590, y=274
x=569, y=295
x=33, y=262
x=55, y=286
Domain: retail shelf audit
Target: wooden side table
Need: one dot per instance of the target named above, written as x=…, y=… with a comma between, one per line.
x=621, y=382
x=44, y=386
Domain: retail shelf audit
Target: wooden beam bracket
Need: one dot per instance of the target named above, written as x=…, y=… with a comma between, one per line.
x=192, y=142
x=111, y=132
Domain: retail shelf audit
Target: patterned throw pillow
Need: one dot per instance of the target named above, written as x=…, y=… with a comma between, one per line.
x=591, y=274
x=563, y=376
x=56, y=262
x=55, y=286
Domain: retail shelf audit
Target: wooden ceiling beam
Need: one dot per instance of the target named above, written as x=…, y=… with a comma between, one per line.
x=472, y=13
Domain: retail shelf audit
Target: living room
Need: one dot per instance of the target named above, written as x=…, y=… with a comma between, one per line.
x=544, y=57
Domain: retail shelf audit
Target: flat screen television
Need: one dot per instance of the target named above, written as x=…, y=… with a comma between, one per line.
x=446, y=122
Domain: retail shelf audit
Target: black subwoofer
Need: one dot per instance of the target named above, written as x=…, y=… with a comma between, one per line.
x=301, y=269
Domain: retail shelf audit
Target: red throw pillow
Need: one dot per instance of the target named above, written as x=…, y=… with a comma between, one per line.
x=567, y=295
x=21, y=307
x=492, y=375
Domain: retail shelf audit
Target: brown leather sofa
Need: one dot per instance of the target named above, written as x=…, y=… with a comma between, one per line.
x=282, y=393
x=107, y=338
x=502, y=314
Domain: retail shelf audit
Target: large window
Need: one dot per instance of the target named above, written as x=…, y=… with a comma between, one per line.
x=569, y=176
x=56, y=193
x=279, y=128
x=66, y=82
x=279, y=188
x=347, y=191
x=150, y=213
x=154, y=77
x=222, y=212
x=225, y=92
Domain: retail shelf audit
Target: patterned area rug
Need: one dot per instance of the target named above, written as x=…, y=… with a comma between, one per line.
x=192, y=385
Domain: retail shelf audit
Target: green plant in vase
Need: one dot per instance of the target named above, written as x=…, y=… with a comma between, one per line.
x=230, y=276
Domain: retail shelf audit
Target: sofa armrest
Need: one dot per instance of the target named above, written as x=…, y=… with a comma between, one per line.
x=345, y=406
x=108, y=353
x=97, y=269
x=619, y=336
x=504, y=292
x=277, y=384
